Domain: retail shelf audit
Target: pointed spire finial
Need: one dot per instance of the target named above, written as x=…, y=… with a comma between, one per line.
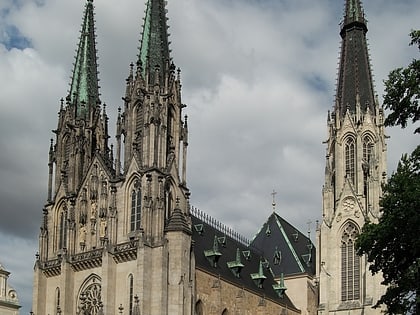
x=154, y=47
x=355, y=76
x=84, y=84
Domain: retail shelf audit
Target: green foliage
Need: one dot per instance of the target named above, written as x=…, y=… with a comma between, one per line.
x=392, y=245
x=402, y=90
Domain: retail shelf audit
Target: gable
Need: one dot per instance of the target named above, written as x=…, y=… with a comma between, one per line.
x=288, y=250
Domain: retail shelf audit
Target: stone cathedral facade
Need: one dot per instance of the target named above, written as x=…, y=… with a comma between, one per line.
x=354, y=172
x=119, y=235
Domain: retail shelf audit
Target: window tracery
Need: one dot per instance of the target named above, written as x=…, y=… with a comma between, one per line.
x=350, y=159
x=90, y=301
x=350, y=264
x=62, y=228
x=367, y=159
x=135, y=217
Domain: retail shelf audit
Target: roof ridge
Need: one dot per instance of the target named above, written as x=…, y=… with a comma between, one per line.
x=219, y=226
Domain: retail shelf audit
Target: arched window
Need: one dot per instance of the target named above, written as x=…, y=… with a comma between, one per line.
x=350, y=264
x=199, y=308
x=225, y=312
x=367, y=148
x=57, y=300
x=135, y=217
x=62, y=228
x=367, y=156
x=130, y=293
x=90, y=297
x=350, y=159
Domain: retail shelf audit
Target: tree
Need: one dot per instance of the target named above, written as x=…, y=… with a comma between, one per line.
x=392, y=245
x=402, y=90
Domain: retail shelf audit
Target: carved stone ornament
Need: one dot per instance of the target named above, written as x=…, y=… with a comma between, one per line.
x=348, y=204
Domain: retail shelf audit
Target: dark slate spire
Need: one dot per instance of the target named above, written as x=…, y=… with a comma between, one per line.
x=355, y=84
x=154, y=48
x=84, y=90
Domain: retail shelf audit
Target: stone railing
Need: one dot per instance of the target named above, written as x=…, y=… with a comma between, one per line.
x=87, y=260
x=51, y=268
x=125, y=251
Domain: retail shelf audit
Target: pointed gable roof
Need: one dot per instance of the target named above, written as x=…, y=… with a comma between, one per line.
x=288, y=250
x=154, y=47
x=355, y=84
x=84, y=88
x=225, y=254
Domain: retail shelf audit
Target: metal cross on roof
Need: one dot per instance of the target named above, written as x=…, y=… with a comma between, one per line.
x=274, y=193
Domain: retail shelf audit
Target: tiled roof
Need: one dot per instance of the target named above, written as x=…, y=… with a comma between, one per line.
x=287, y=250
x=234, y=261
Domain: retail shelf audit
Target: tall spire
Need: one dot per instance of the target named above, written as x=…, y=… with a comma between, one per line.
x=84, y=90
x=355, y=86
x=154, y=48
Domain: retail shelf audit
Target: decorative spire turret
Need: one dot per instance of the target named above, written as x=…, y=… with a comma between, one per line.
x=355, y=84
x=82, y=130
x=84, y=89
x=154, y=49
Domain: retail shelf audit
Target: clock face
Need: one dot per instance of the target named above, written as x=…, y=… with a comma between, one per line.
x=348, y=204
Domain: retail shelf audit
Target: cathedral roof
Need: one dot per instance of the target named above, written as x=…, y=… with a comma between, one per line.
x=154, y=47
x=355, y=84
x=84, y=89
x=289, y=251
x=221, y=252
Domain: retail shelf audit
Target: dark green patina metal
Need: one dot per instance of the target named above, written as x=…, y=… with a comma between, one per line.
x=154, y=48
x=84, y=89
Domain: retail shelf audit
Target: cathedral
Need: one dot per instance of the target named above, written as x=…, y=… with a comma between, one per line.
x=119, y=235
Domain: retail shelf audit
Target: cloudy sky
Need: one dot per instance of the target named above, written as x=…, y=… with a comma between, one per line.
x=258, y=78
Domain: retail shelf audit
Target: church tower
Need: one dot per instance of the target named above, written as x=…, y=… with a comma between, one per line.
x=355, y=169
x=116, y=230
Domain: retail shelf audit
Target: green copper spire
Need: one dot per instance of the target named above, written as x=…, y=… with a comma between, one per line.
x=355, y=83
x=154, y=48
x=84, y=90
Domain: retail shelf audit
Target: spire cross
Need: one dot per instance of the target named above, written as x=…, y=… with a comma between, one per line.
x=274, y=193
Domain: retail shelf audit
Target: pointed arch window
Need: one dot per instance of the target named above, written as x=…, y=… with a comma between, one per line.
x=199, y=308
x=350, y=149
x=367, y=148
x=130, y=293
x=57, y=300
x=350, y=264
x=90, y=297
x=135, y=217
x=367, y=157
x=62, y=229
